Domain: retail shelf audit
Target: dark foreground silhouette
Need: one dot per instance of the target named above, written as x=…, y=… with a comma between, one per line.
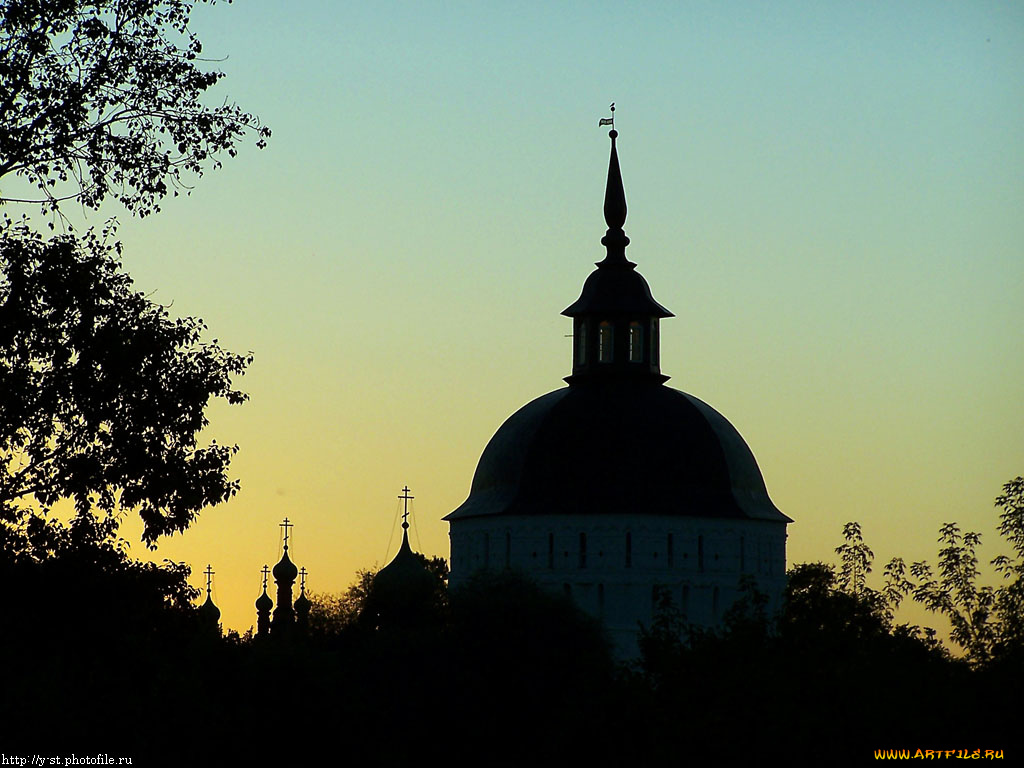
x=105, y=657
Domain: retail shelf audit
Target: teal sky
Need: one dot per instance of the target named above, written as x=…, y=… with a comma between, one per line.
x=829, y=197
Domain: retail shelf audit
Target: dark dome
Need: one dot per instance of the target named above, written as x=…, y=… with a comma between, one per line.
x=263, y=602
x=208, y=611
x=285, y=571
x=618, y=446
x=404, y=578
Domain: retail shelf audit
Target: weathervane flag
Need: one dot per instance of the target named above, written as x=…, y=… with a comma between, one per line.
x=608, y=120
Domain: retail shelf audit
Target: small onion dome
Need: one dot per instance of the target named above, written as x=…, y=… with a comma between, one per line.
x=285, y=571
x=208, y=612
x=302, y=604
x=263, y=602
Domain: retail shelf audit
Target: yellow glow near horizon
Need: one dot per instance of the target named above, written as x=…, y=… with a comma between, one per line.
x=828, y=199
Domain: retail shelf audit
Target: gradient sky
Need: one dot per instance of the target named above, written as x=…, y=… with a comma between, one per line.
x=829, y=197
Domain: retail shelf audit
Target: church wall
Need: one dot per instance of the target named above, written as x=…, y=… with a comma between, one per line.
x=614, y=566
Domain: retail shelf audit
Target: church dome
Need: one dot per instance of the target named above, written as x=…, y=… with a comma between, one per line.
x=285, y=570
x=618, y=447
x=616, y=440
x=263, y=602
x=404, y=579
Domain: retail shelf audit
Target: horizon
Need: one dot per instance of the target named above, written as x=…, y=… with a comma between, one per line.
x=828, y=201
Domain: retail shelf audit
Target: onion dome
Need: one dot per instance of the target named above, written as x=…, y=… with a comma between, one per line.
x=285, y=570
x=263, y=607
x=263, y=602
x=284, y=575
x=302, y=605
x=209, y=614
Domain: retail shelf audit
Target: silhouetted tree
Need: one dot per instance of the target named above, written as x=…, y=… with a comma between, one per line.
x=1010, y=596
x=330, y=614
x=987, y=622
x=104, y=98
x=531, y=674
x=102, y=394
x=89, y=633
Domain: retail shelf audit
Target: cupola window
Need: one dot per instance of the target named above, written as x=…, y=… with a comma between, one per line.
x=581, y=343
x=604, y=342
x=636, y=343
x=654, y=341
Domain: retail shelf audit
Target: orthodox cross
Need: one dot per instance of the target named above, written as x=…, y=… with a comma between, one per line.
x=302, y=579
x=405, y=514
x=286, y=525
x=265, y=572
x=209, y=577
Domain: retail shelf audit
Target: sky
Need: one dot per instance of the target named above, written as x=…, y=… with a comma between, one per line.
x=827, y=195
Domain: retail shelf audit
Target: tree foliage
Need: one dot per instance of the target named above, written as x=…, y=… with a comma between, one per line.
x=987, y=622
x=103, y=394
x=103, y=98
x=332, y=614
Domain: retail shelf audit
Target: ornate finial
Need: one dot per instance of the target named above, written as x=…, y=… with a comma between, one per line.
x=266, y=573
x=286, y=525
x=614, y=202
x=302, y=579
x=209, y=578
x=405, y=513
x=209, y=612
x=609, y=120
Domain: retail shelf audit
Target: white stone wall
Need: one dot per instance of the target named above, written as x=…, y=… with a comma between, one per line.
x=615, y=578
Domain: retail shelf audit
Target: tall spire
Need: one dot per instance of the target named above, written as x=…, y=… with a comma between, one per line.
x=615, y=319
x=615, y=239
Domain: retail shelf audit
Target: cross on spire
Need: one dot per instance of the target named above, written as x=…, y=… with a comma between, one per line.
x=286, y=525
x=302, y=579
x=209, y=577
x=405, y=513
x=265, y=572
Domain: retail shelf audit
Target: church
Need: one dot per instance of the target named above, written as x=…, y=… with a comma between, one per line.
x=616, y=489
